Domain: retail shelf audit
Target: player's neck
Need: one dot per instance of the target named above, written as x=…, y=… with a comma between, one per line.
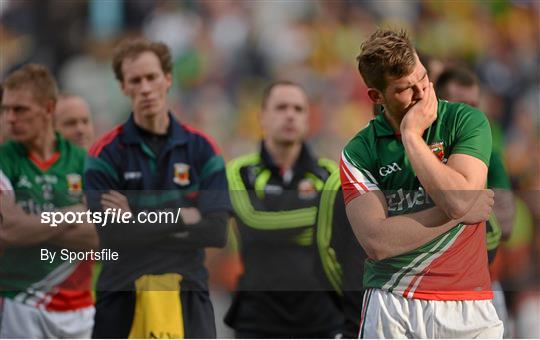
x=394, y=121
x=283, y=155
x=157, y=124
x=44, y=145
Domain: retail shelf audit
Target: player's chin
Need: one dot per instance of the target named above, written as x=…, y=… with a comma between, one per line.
x=289, y=140
x=148, y=113
x=19, y=137
x=81, y=141
x=407, y=109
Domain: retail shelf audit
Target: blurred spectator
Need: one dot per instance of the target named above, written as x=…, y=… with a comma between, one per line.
x=73, y=120
x=90, y=75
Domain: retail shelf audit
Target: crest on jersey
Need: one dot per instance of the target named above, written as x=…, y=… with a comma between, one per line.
x=306, y=189
x=74, y=182
x=438, y=150
x=181, y=174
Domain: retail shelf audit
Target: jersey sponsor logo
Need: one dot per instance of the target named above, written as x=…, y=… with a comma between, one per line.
x=74, y=184
x=181, y=174
x=388, y=169
x=306, y=189
x=131, y=175
x=47, y=182
x=400, y=200
x=438, y=150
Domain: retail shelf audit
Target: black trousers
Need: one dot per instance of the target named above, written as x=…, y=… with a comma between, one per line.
x=114, y=314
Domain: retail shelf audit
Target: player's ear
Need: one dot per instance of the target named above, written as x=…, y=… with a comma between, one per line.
x=375, y=95
x=263, y=117
x=50, y=107
x=168, y=80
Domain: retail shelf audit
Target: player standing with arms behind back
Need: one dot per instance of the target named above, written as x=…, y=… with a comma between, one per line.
x=414, y=185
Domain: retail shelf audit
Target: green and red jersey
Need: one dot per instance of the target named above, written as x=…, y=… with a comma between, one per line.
x=453, y=266
x=44, y=186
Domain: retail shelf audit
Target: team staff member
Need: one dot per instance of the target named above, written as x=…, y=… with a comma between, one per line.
x=158, y=287
x=73, y=120
x=341, y=254
x=413, y=182
x=275, y=193
x=40, y=171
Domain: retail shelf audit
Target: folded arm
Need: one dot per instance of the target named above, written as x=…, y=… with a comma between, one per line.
x=191, y=229
x=79, y=237
x=22, y=229
x=383, y=237
x=209, y=231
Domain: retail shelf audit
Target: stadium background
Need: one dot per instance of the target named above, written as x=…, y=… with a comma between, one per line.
x=225, y=52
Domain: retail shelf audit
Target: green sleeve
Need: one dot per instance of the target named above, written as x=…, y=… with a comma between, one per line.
x=473, y=134
x=497, y=136
x=359, y=161
x=497, y=176
x=8, y=159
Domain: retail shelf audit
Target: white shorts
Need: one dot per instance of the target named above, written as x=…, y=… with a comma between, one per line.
x=21, y=321
x=386, y=315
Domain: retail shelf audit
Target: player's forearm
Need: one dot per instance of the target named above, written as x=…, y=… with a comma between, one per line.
x=118, y=235
x=21, y=229
x=80, y=237
x=210, y=231
x=448, y=188
x=397, y=235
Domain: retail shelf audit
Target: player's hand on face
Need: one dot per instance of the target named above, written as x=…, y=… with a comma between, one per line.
x=190, y=215
x=115, y=200
x=421, y=115
x=481, y=208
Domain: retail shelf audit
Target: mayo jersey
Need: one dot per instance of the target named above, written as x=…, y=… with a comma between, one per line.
x=43, y=186
x=453, y=266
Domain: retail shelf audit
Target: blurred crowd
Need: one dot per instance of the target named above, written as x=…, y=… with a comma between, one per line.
x=226, y=51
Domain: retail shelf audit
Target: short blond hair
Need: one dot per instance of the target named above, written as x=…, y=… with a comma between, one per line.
x=386, y=53
x=38, y=77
